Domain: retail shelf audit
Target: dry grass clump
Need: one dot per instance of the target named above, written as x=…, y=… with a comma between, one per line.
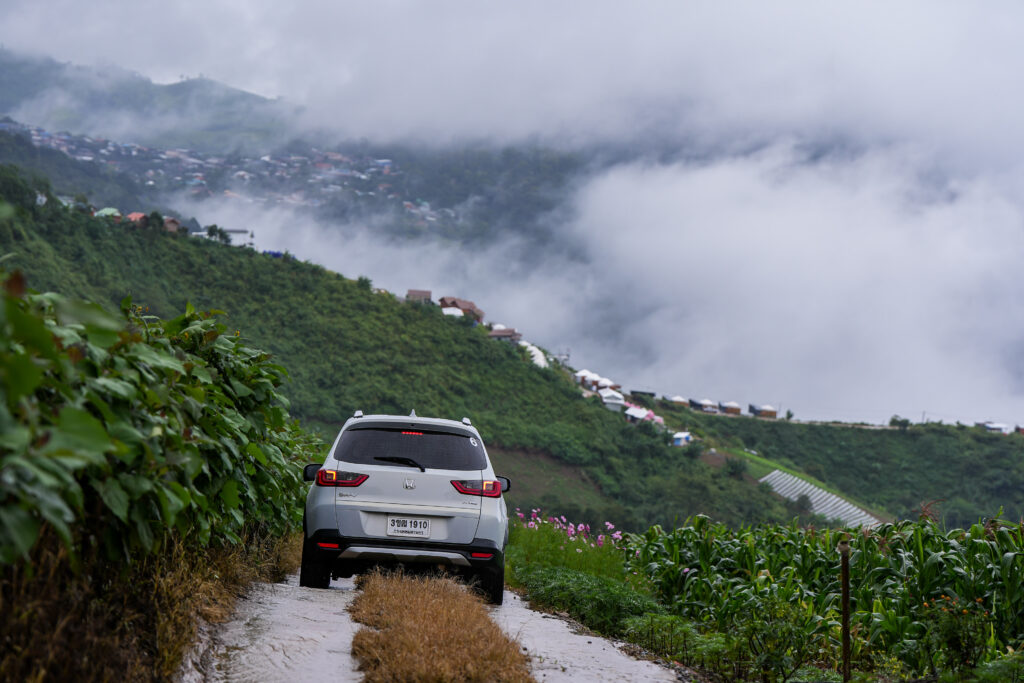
x=425, y=629
x=90, y=619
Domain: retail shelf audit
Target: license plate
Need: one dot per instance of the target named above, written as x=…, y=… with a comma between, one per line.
x=408, y=526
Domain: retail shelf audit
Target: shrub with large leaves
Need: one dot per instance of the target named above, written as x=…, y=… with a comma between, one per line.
x=118, y=429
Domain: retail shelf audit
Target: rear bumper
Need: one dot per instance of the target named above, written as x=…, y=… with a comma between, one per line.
x=347, y=555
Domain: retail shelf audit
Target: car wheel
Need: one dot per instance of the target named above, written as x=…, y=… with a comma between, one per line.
x=313, y=573
x=492, y=584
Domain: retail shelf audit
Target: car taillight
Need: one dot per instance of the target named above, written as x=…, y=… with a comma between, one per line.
x=487, y=488
x=337, y=478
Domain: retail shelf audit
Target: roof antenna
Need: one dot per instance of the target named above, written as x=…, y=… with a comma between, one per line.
x=413, y=413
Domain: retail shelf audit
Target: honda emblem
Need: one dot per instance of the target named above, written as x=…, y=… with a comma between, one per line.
x=410, y=483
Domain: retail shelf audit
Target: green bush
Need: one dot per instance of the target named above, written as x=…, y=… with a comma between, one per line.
x=119, y=429
x=600, y=603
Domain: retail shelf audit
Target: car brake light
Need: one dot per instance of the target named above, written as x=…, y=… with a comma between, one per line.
x=336, y=478
x=329, y=546
x=413, y=433
x=487, y=488
x=482, y=556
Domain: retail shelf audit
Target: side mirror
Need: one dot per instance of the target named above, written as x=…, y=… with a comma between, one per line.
x=506, y=483
x=309, y=471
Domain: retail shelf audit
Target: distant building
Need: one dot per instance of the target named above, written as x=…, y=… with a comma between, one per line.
x=419, y=295
x=766, y=411
x=172, y=224
x=645, y=394
x=508, y=334
x=636, y=414
x=681, y=438
x=705, y=405
x=612, y=400
x=466, y=306
x=729, y=408
x=109, y=212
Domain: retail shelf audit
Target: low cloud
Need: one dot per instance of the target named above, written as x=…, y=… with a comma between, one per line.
x=843, y=288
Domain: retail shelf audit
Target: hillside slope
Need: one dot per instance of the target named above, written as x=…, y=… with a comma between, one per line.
x=971, y=472
x=350, y=348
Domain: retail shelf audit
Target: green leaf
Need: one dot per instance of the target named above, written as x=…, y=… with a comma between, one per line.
x=15, y=438
x=78, y=431
x=30, y=330
x=143, y=530
x=229, y=494
x=20, y=376
x=155, y=359
x=114, y=497
x=135, y=485
x=19, y=529
x=256, y=452
x=114, y=387
x=241, y=391
x=101, y=327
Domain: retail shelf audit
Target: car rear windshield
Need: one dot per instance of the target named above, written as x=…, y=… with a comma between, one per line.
x=433, y=450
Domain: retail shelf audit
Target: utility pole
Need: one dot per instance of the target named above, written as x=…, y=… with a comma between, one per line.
x=844, y=554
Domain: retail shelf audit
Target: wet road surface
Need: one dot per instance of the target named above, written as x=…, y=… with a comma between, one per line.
x=282, y=632
x=558, y=654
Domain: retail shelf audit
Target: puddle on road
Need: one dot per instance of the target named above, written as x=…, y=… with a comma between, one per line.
x=558, y=654
x=282, y=632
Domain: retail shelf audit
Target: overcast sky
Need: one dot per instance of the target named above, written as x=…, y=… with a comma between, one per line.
x=847, y=245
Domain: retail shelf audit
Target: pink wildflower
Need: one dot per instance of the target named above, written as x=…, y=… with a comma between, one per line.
x=563, y=519
x=579, y=550
x=532, y=524
x=609, y=525
x=520, y=514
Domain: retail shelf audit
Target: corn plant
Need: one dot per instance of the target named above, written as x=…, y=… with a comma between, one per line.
x=726, y=578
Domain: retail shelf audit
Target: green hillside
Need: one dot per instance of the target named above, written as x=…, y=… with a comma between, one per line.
x=973, y=473
x=69, y=177
x=348, y=347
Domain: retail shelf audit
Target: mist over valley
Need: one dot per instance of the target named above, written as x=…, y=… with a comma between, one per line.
x=765, y=210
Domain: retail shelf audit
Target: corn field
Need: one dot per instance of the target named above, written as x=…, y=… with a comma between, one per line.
x=935, y=600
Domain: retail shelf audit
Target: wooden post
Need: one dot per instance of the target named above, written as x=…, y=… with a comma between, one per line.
x=844, y=553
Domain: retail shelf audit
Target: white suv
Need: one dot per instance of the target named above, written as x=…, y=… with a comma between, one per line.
x=405, y=490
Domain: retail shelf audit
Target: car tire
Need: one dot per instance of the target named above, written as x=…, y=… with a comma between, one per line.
x=492, y=584
x=313, y=573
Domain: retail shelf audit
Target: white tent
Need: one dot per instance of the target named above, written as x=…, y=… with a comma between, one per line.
x=452, y=310
x=636, y=412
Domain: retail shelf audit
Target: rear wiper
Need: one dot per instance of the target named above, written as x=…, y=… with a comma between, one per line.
x=408, y=462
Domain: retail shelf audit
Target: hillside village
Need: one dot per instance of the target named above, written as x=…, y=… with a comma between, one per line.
x=311, y=180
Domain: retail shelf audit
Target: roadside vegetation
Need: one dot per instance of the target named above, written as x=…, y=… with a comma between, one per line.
x=424, y=629
x=762, y=602
x=150, y=470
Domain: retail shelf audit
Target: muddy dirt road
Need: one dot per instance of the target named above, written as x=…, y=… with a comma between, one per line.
x=286, y=633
